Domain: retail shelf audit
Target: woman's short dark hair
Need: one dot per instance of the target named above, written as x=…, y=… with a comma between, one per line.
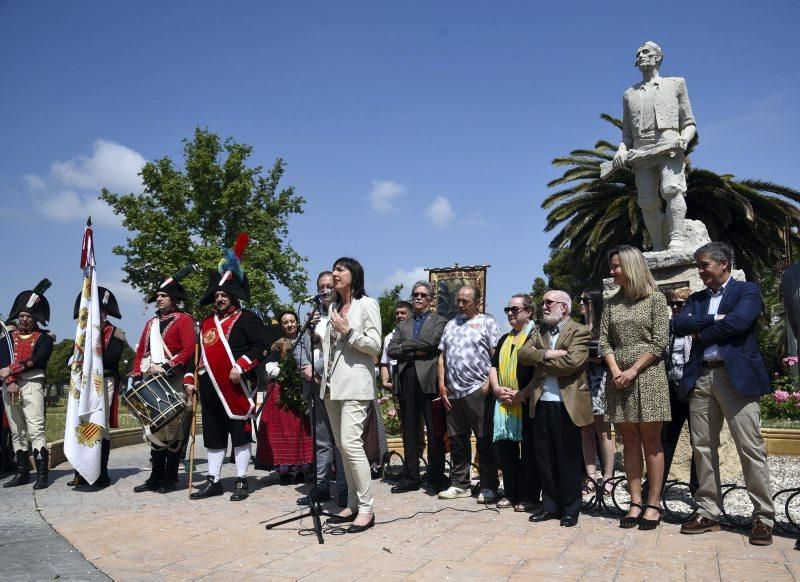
x=288, y=312
x=357, y=272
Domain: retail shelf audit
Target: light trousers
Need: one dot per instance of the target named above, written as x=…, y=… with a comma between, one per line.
x=713, y=399
x=347, y=422
x=26, y=419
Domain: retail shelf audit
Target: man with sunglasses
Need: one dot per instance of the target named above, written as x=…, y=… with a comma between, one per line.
x=468, y=344
x=560, y=405
x=415, y=346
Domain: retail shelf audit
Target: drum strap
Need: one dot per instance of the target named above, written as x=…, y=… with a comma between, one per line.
x=218, y=361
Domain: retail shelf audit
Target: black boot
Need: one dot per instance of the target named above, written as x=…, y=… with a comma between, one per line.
x=42, y=458
x=173, y=459
x=104, y=480
x=23, y=475
x=156, y=477
x=240, y=489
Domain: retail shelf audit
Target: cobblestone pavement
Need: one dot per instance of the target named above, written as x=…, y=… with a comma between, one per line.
x=30, y=549
x=149, y=536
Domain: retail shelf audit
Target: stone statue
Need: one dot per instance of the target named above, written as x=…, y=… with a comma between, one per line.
x=657, y=126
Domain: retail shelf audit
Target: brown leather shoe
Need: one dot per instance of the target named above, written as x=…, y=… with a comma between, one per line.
x=698, y=525
x=761, y=535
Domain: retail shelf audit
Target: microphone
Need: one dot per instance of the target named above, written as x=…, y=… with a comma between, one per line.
x=318, y=297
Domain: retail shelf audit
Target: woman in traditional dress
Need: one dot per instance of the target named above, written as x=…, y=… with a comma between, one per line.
x=284, y=431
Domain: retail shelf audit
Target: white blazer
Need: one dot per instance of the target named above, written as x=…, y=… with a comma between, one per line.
x=352, y=364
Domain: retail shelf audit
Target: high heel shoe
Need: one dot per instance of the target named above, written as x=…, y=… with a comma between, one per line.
x=631, y=522
x=359, y=528
x=648, y=524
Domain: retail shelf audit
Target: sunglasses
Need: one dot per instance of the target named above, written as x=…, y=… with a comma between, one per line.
x=676, y=303
x=419, y=295
x=551, y=301
x=514, y=309
x=585, y=300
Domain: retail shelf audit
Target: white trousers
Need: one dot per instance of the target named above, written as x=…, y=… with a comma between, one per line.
x=347, y=422
x=26, y=419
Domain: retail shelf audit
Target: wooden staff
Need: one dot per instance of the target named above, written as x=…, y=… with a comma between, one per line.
x=194, y=408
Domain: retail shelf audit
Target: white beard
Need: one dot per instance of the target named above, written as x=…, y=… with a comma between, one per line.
x=552, y=320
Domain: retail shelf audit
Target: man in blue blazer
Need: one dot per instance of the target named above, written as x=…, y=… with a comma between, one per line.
x=724, y=379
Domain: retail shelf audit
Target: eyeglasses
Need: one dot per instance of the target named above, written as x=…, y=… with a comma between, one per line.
x=676, y=303
x=551, y=301
x=419, y=295
x=514, y=310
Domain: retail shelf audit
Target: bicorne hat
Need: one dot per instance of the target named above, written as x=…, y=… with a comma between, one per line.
x=172, y=285
x=229, y=276
x=33, y=302
x=107, y=302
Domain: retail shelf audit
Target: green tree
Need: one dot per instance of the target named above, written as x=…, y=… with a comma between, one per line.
x=387, y=302
x=57, y=370
x=189, y=215
x=595, y=215
x=538, y=289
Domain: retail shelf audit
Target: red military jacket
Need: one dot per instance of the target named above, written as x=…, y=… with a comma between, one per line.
x=31, y=352
x=177, y=331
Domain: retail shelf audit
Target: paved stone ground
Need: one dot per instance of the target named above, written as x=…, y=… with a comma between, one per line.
x=149, y=536
x=30, y=549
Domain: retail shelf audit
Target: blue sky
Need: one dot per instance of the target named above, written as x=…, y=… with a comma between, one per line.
x=420, y=133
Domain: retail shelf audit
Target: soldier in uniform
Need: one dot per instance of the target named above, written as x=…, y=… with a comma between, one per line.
x=167, y=348
x=233, y=342
x=114, y=343
x=23, y=384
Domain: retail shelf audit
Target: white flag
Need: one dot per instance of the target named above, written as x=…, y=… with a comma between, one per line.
x=87, y=418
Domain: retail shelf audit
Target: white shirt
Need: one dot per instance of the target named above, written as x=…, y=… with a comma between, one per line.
x=551, y=390
x=711, y=353
x=385, y=360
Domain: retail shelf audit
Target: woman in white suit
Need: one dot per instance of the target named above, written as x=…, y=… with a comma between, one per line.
x=351, y=339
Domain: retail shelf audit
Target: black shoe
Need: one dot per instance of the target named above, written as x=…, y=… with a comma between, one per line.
x=631, y=522
x=103, y=480
x=240, y=489
x=342, y=500
x=569, y=521
x=648, y=524
x=359, y=528
x=405, y=487
x=76, y=480
x=149, y=485
x=338, y=519
x=543, y=516
x=23, y=474
x=285, y=479
x=210, y=488
x=167, y=488
x=42, y=458
x=316, y=495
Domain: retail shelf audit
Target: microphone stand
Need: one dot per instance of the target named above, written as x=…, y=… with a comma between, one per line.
x=314, y=506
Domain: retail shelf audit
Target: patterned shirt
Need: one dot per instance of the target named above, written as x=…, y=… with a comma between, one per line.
x=467, y=345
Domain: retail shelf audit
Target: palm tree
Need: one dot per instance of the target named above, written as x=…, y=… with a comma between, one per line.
x=596, y=215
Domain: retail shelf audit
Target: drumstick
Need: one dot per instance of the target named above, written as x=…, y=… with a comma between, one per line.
x=194, y=409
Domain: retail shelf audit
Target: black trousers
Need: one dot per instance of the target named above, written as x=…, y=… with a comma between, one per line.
x=217, y=425
x=671, y=432
x=416, y=406
x=559, y=458
x=518, y=461
x=469, y=415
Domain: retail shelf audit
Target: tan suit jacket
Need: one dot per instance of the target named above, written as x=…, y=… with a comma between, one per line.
x=570, y=370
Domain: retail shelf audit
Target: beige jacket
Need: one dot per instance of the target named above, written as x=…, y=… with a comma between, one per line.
x=352, y=365
x=570, y=369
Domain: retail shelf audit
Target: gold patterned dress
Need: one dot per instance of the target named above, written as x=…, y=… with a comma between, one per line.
x=628, y=329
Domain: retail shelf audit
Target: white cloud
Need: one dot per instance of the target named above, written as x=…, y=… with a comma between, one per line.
x=440, y=212
x=70, y=191
x=34, y=182
x=406, y=278
x=383, y=195
x=111, y=166
x=67, y=205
